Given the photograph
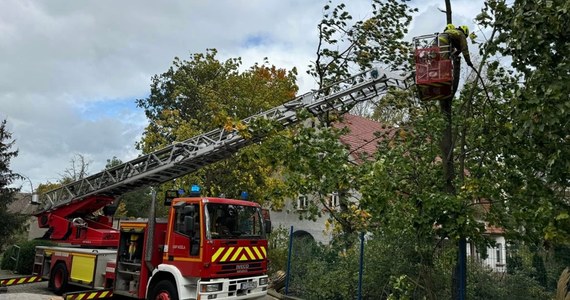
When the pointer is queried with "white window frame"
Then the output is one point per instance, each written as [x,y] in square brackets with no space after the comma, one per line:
[334,200]
[302,202]
[499,254]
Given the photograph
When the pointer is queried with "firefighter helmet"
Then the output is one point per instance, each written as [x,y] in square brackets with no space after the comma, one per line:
[465,29]
[449,27]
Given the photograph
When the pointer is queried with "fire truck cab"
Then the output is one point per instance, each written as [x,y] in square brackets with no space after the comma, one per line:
[217,245]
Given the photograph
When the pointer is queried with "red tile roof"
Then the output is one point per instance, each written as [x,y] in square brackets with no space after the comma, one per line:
[361,138]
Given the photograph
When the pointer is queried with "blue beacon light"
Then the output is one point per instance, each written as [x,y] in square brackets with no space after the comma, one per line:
[194,190]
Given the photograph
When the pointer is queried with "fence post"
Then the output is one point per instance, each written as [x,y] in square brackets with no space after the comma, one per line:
[462,268]
[361,266]
[288,275]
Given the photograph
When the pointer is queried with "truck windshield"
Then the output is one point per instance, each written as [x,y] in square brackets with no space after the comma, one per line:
[226,221]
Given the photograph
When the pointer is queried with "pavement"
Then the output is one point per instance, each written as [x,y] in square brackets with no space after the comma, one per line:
[40,291]
[30,291]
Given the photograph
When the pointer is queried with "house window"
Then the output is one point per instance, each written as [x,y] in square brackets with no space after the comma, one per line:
[302,202]
[498,253]
[334,200]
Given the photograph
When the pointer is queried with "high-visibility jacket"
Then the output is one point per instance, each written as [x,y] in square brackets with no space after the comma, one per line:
[458,41]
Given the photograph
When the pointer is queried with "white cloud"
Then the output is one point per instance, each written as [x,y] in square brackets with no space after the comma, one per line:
[62,60]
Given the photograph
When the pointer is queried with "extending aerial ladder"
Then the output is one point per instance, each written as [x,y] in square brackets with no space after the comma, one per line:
[66,209]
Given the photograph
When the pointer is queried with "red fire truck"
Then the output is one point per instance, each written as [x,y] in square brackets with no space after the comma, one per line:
[210,247]
[207,248]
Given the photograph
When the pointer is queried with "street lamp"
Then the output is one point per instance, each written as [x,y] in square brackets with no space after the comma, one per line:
[35,197]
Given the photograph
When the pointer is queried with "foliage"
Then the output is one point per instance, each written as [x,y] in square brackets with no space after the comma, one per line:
[531,128]
[541,265]
[26,256]
[204,93]
[9,222]
[345,44]
[278,248]
[393,270]
[500,181]
[7,262]
[46,187]
[486,284]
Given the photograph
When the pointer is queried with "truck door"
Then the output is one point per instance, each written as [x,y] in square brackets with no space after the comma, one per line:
[186,234]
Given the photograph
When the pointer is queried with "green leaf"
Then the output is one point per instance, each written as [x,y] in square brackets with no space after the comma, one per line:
[562,216]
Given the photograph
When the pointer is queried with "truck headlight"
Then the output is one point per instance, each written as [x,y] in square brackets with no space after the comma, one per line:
[263,281]
[212,287]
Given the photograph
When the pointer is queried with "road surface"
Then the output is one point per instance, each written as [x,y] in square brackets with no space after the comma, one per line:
[40,291]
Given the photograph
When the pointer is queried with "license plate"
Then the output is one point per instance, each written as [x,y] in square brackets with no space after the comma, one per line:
[249,285]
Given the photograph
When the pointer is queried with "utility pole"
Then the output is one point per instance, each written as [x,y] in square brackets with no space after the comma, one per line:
[460,275]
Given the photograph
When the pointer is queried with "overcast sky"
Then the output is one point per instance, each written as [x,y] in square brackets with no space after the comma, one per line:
[71,70]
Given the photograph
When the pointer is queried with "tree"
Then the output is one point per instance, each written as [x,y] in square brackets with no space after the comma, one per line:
[512,164]
[78,169]
[9,222]
[345,45]
[201,94]
[533,127]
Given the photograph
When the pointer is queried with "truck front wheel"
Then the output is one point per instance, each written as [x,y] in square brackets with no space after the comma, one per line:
[58,278]
[164,290]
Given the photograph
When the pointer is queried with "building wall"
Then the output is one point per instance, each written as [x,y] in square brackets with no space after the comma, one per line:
[496,255]
[288,216]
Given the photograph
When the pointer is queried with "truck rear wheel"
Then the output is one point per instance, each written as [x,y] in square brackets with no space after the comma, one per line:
[58,278]
[164,290]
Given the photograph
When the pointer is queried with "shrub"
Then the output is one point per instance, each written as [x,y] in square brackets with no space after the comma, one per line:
[25,261]
[7,262]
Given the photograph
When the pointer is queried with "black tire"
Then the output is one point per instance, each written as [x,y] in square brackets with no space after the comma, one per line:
[58,278]
[163,290]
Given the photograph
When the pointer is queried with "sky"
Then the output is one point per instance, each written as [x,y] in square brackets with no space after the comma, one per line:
[70,71]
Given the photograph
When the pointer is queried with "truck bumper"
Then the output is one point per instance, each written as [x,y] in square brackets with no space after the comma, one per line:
[239,288]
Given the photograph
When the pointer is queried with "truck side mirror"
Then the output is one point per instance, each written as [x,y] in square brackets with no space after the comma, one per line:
[268,228]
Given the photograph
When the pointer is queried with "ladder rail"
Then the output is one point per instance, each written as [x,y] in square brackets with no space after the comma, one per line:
[187,156]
